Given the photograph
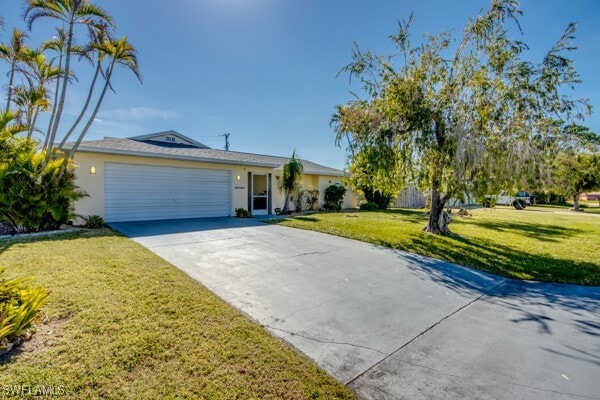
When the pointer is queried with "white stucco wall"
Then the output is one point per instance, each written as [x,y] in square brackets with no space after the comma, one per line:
[93,184]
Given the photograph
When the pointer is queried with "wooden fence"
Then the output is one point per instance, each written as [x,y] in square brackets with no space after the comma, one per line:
[410,197]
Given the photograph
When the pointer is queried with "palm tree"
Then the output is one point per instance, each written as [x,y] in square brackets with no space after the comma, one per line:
[70,13]
[58,44]
[98,37]
[292,173]
[31,101]
[13,54]
[40,73]
[118,52]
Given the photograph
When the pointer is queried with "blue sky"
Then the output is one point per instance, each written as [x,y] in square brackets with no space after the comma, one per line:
[265,70]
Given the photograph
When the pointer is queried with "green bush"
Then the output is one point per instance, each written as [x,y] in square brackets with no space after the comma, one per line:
[334,197]
[35,195]
[242,213]
[94,222]
[382,200]
[20,309]
[369,206]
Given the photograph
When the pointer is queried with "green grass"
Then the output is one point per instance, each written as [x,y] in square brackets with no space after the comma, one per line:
[591,207]
[538,243]
[124,324]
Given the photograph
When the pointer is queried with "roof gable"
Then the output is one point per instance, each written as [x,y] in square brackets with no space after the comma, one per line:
[169,139]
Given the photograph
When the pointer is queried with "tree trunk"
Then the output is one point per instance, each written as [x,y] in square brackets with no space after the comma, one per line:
[286,203]
[438,218]
[95,112]
[63,94]
[10,85]
[576,203]
[55,102]
[85,107]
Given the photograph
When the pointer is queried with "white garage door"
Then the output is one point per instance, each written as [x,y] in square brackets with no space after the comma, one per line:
[146,192]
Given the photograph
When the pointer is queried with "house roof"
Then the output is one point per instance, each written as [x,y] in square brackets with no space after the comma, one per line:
[183,140]
[144,146]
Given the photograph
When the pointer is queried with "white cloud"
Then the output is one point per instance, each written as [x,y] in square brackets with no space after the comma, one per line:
[139,113]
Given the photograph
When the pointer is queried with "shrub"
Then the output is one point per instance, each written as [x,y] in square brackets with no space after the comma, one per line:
[242,213]
[382,200]
[94,222]
[20,309]
[298,200]
[334,197]
[306,199]
[34,195]
[369,206]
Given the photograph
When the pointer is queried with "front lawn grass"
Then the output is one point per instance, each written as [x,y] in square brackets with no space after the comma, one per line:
[124,324]
[536,243]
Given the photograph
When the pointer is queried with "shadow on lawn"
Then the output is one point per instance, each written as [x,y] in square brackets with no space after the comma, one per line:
[504,260]
[547,233]
[19,240]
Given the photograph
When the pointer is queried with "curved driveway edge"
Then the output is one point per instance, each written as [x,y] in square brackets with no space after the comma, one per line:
[392,324]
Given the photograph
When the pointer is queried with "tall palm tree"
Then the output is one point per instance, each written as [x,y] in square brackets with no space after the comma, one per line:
[30,101]
[58,44]
[70,13]
[41,73]
[292,173]
[98,37]
[117,52]
[13,54]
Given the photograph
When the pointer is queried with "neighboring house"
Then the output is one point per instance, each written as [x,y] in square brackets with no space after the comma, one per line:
[589,196]
[167,175]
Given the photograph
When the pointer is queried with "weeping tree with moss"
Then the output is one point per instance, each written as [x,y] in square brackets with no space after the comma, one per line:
[292,173]
[465,114]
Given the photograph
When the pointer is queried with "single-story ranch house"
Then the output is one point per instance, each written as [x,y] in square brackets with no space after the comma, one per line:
[167,175]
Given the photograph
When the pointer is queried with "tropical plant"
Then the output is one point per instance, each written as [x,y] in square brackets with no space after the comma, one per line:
[334,197]
[69,13]
[299,200]
[13,53]
[98,36]
[20,309]
[464,116]
[242,213]
[94,222]
[118,52]
[312,198]
[292,173]
[34,195]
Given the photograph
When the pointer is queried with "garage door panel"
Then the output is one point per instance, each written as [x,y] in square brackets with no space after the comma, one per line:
[144,192]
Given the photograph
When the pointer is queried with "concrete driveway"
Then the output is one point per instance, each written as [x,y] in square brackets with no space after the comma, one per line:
[389,324]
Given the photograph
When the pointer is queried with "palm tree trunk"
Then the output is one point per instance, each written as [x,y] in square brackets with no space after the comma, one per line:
[93,116]
[85,107]
[10,85]
[55,102]
[33,122]
[286,203]
[63,94]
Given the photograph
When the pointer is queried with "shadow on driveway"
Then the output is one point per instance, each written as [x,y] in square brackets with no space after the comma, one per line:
[137,229]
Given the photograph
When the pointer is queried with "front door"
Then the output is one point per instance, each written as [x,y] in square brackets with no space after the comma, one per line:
[260,194]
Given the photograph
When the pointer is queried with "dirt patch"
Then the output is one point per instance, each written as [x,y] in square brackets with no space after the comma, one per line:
[48,334]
